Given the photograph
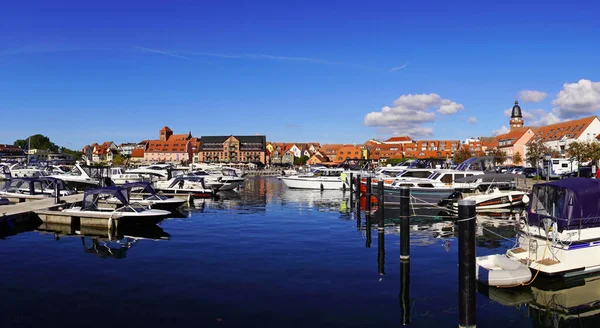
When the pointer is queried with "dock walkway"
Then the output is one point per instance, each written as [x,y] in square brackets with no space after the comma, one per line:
[24,208]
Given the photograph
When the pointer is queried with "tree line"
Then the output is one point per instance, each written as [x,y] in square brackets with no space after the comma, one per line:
[39,141]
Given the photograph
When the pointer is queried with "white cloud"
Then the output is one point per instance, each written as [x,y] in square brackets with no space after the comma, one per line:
[472,120]
[576,99]
[536,117]
[531,96]
[397,68]
[500,131]
[409,113]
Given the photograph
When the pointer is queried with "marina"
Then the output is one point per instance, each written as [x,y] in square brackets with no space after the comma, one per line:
[268,255]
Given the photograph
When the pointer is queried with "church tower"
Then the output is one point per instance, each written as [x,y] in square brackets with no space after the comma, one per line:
[516,118]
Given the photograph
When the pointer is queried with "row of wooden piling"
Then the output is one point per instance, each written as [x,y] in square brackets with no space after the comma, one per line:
[466,246]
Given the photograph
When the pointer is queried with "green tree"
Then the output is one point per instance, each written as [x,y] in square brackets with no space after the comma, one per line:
[119,160]
[594,152]
[301,160]
[37,141]
[462,154]
[75,153]
[517,158]
[578,151]
[536,151]
[499,156]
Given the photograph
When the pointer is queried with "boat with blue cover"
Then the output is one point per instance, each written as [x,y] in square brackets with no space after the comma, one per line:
[560,234]
[133,212]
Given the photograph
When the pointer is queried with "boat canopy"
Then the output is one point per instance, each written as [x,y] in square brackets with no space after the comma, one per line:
[480,163]
[91,196]
[572,203]
[139,186]
[35,185]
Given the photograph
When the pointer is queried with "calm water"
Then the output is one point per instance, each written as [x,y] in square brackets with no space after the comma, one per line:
[266,257]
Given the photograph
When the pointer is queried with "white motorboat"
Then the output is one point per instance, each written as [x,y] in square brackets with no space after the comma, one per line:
[119,176]
[560,235]
[18,170]
[228,177]
[34,188]
[125,211]
[85,174]
[322,178]
[157,172]
[144,194]
[186,184]
[430,191]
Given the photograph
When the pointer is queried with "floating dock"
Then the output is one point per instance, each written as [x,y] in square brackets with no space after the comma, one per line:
[9,211]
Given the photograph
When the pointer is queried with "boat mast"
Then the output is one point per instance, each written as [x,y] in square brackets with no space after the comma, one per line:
[28,148]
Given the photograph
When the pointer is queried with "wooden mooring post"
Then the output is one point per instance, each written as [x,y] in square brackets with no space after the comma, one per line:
[351,184]
[466,263]
[358,201]
[380,206]
[404,223]
[368,195]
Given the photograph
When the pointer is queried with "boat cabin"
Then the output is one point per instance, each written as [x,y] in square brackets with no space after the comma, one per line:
[570,203]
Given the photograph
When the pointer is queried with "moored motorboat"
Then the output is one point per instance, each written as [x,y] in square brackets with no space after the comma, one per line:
[187,185]
[560,235]
[33,188]
[119,176]
[499,270]
[322,178]
[129,212]
[144,194]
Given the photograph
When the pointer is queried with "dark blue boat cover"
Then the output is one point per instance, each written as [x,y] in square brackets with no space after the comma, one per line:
[572,203]
[140,187]
[90,196]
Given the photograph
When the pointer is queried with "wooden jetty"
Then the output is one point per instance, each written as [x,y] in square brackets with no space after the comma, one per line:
[8,211]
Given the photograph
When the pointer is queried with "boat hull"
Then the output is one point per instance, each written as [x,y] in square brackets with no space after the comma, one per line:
[418,196]
[566,259]
[296,182]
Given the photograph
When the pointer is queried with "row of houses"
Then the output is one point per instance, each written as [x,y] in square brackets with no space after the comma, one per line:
[184,148]
[556,137]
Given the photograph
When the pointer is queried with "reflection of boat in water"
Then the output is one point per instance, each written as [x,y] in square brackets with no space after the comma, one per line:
[554,303]
[103,242]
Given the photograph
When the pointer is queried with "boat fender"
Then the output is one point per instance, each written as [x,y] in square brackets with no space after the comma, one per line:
[525,199]
[110,223]
[322,188]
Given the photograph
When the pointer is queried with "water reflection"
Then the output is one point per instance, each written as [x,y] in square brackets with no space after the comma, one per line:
[105,243]
[554,303]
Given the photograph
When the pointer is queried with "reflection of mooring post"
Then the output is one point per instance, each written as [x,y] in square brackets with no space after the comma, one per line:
[466,263]
[368,194]
[368,228]
[380,252]
[405,291]
[351,184]
[358,201]
[404,223]
[380,208]
[358,187]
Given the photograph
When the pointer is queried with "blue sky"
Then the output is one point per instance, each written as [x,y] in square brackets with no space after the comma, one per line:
[82,72]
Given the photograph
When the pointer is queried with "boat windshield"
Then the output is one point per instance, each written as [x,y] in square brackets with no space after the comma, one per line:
[133,207]
[328,173]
